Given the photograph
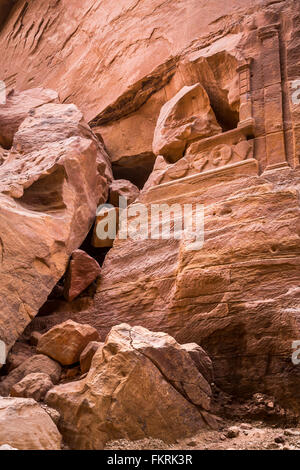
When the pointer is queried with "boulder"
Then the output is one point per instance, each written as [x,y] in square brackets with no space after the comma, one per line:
[140,384]
[18,355]
[124,189]
[201,359]
[24,425]
[186,117]
[66,341]
[34,365]
[18,106]
[32,386]
[82,271]
[87,355]
[50,186]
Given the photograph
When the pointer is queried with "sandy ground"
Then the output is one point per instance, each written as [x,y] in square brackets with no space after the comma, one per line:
[232,436]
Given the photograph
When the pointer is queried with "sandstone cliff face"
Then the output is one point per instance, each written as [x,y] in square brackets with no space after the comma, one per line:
[124,65]
[238,295]
[121,62]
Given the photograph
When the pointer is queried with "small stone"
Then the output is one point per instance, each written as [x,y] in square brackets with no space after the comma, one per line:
[272,446]
[232,432]
[246,426]
[279,439]
[192,444]
[291,432]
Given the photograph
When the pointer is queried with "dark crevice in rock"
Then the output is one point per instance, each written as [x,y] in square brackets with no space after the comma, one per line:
[134,168]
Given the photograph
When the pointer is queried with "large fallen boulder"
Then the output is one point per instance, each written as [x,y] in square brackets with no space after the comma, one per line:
[51,182]
[141,384]
[34,365]
[32,386]
[24,425]
[66,341]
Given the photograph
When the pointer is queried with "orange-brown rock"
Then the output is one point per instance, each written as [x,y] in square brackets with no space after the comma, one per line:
[140,384]
[236,296]
[65,342]
[18,106]
[186,117]
[201,359]
[34,365]
[82,271]
[124,189]
[50,185]
[32,386]
[87,355]
[77,54]
[24,425]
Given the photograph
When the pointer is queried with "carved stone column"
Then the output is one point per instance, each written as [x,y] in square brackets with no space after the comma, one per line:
[275,140]
[246,115]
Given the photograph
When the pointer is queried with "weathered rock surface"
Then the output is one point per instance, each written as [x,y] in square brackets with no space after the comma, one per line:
[78,50]
[186,117]
[65,342]
[17,108]
[82,271]
[34,365]
[24,425]
[236,295]
[50,185]
[201,359]
[140,384]
[32,386]
[122,188]
[87,355]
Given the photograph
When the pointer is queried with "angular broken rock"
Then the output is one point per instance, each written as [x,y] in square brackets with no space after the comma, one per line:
[24,425]
[87,355]
[32,386]
[50,186]
[141,384]
[122,188]
[187,116]
[35,364]
[66,341]
[17,107]
[201,359]
[82,271]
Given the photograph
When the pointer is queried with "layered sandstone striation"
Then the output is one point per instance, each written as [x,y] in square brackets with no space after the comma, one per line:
[192,103]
